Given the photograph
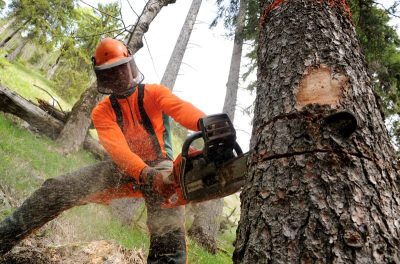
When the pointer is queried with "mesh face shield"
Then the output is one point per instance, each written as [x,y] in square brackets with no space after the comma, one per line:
[118,77]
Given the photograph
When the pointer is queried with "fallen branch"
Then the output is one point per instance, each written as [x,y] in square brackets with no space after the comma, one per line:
[52,97]
[51,110]
[11,102]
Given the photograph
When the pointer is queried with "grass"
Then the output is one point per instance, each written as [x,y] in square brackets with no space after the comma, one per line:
[27,159]
[24,81]
[99,224]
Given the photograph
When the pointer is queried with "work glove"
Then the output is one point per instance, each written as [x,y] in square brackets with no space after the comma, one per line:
[155,181]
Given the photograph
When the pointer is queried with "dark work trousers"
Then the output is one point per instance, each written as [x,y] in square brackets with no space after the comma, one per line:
[166,226]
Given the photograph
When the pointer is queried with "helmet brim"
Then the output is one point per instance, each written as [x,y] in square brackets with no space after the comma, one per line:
[113,63]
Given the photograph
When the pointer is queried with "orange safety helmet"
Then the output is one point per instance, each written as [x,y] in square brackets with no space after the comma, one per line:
[109,54]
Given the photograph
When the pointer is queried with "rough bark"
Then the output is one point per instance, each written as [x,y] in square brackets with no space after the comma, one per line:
[84,106]
[74,132]
[12,103]
[175,61]
[14,54]
[312,195]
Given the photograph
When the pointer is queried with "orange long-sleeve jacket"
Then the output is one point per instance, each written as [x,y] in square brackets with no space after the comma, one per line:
[131,147]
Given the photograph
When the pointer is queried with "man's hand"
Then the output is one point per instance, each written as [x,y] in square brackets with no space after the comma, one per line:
[157,181]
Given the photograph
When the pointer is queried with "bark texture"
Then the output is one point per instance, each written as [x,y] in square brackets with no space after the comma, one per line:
[175,61]
[74,132]
[314,195]
[55,196]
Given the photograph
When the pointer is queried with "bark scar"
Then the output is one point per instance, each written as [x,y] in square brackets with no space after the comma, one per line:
[321,86]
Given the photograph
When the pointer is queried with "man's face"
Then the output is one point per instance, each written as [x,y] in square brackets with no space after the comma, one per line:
[117,79]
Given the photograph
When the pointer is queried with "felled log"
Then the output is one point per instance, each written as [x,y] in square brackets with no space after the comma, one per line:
[11,102]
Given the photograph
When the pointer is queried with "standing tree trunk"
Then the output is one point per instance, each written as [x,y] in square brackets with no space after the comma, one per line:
[175,61]
[9,22]
[234,70]
[81,121]
[314,193]
[82,108]
[9,37]
[14,54]
[54,67]
[207,215]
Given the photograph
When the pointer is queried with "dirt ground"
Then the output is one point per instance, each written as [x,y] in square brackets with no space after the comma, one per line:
[32,251]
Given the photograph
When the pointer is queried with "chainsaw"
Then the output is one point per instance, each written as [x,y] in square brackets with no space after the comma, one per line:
[216,171]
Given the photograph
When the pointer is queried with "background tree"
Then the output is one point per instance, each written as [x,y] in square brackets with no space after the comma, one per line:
[380,44]
[207,215]
[175,61]
[75,71]
[44,20]
[316,193]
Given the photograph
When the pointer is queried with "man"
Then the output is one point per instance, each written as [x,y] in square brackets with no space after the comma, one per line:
[142,139]
[132,124]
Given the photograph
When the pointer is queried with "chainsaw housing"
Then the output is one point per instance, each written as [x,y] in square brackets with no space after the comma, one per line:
[218,170]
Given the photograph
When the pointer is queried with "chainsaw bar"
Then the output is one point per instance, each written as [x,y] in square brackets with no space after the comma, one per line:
[205,181]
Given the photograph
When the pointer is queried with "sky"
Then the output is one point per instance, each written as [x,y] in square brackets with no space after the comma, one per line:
[204,72]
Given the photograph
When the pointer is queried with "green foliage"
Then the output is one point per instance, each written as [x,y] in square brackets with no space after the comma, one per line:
[45,20]
[35,58]
[23,79]
[380,43]
[70,82]
[75,73]
[227,10]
